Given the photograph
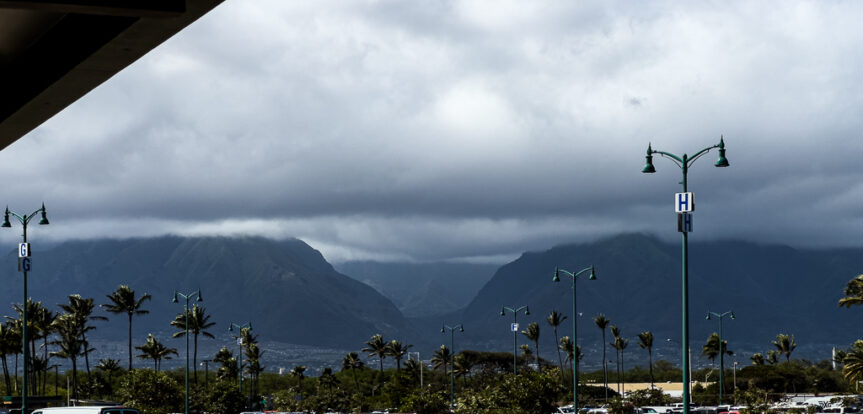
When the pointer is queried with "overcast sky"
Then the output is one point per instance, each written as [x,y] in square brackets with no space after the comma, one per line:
[464,130]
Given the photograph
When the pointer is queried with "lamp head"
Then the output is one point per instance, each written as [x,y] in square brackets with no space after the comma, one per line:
[556,278]
[6,219]
[502,313]
[461,328]
[648,165]
[708,316]
[442,329]
[722,161]
[175,297]
[592,273]
[526,310]
[231,328]
[732,315]
[44,219]
[200,299]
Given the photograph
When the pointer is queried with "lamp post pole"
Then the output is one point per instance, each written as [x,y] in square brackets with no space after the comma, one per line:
[514,329]
[574,276]
[206,364]
[684,162]
[187,322]
[722,350]
[24,266]
[240,329]
[452,330]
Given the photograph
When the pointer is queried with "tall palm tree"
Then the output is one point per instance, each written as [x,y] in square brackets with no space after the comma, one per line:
[853,362]
[853,293]
[532,334]
[227,363]
[82,309]
[615,343]
[199,321]
[554,319]
[34,330]
[565,345]
[785,345]
[711,348]
[10,344]
[123,301]
[397,350]
[602,322]
[352,361]
[645,341]
[253,366]
[155,350]
[772,357]
[377,346]
[70,344]
[441,357]
[109,367]
[622,343]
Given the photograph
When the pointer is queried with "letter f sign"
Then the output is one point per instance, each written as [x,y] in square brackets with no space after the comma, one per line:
[684,203]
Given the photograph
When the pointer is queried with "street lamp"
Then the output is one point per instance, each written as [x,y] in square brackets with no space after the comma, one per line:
[684,162]
[186,322]
[721,351]
[556,278]
[735,382]
[240,329]
[452,330]
[24,266]
[514,328]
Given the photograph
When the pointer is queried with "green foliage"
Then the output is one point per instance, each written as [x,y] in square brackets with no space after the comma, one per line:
[425,402]
[151,392]
[641,398]
[619,406]
[529,392]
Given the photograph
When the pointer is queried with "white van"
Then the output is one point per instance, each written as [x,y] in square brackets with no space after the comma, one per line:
[116,409]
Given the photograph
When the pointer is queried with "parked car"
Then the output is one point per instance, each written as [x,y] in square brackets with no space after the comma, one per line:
[87,410]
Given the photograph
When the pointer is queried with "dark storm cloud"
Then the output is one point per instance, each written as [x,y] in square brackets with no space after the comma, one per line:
[463,130]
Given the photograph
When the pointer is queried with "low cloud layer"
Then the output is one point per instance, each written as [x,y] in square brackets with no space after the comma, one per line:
[463,130]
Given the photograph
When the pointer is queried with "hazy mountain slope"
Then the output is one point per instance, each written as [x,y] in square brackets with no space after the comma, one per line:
[285,288]
[422,289]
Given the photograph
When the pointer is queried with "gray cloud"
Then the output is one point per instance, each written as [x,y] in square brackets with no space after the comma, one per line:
[463,130]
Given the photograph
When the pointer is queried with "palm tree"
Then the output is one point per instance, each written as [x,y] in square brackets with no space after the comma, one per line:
[82,309]
[199,321]
[772,357]
[532,334]
[785,344]
[645,341]
[554,319]
[615,343]
[377,346]
[254,367]
[109,367]
[155,350]
[711,348]
[566,346]
[34,331]
[123,301]
[853,293]
[853,362]
[227,362]
[602,322]
[398,351]
[622,343]
[352,361]
[757,359]
[441,357]
[10,344]
[70,344]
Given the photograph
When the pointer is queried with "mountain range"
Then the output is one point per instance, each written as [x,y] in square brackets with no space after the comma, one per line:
[292,295]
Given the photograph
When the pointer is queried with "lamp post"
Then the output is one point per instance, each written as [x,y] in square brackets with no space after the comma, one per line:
[24,267]
[721,350]
[240,354]
[684,162]
[514,329]
[688,356]
[206,364]
[735,382]
[574,276]
[186,322]
[452,330]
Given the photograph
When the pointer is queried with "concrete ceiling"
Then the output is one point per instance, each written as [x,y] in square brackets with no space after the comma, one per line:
[54,52]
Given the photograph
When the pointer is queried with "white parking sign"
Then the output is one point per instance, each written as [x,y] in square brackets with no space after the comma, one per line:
[23,249]
[514,327]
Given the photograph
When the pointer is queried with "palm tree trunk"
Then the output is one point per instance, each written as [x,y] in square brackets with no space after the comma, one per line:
[130,342]
[356,384]
[604,365]
[6,376]
[557,345]
[86,353]
[622,373]
[195,358]
[74,377]
[650,359]
[536,346]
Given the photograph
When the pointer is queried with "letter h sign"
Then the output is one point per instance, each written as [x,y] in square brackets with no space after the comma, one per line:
[684,202]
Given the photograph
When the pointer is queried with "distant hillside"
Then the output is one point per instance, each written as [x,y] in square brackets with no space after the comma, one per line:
[770,288]
[285,288]
[422,289]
